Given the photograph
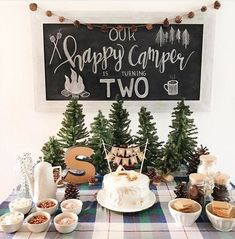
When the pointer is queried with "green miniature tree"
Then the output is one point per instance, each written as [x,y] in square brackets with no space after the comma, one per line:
[148,131]
[53,153]
[170,161]
[184,132]
[119,125]
[181,143]
[73,131]
[99,131]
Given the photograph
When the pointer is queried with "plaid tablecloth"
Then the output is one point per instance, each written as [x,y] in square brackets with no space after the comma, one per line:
[96,222]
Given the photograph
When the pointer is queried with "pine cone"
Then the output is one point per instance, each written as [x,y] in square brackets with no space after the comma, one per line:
[221,193]
[134,28]
[33,6]
[61,19]
[195,160]
[191,14]
[71,191]
[151,173]
[217,4]
[120,28]
[149,27]
[178,19]
[157,179]
[76,23]
[166,23]
[49,13]
[181,190]
[104,28]
[204,8]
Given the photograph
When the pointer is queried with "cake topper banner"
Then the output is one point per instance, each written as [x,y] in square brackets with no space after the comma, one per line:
[125,156]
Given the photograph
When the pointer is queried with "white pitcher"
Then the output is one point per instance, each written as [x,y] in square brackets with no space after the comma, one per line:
[42,183]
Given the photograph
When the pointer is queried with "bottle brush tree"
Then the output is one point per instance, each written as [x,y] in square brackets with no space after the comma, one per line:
[148,131]
[53,152]
[119,125]
[170,161]
[73,131]
[184,132]
[99,131]
[181,143]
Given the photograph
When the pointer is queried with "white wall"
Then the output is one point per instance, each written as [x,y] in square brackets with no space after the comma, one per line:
[23,129]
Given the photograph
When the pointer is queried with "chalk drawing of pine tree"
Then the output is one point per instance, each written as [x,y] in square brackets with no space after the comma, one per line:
[185,38]
[178,35]
[166,36]
[160,37]
[172,35]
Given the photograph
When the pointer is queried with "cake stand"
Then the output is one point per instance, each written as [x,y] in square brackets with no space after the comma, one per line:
[147,204]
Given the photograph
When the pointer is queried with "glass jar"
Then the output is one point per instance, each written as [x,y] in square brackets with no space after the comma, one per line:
[196,188]
[207,167]
[222,188]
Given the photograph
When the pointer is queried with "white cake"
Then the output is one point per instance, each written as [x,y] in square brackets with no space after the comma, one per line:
[126,189]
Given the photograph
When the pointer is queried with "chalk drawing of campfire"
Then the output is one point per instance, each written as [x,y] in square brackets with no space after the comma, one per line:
[74,86]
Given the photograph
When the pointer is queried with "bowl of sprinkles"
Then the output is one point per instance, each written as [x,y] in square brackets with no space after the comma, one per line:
[66,222]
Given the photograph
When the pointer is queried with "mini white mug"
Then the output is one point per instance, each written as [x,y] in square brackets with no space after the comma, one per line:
[171,87]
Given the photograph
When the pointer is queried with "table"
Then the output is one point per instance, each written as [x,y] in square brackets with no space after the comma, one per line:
[96,222]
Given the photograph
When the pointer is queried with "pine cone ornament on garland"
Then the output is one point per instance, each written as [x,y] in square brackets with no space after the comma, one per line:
[195,160]
[181,190]
[217,5]
[71,191]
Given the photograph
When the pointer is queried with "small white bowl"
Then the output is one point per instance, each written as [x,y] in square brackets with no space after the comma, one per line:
[220,223]
[50,210]
[182,218]
[13,227]
[65,228]
[13,207]
[77,206]
[38,227]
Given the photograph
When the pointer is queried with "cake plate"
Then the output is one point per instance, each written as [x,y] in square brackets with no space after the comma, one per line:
[147,204]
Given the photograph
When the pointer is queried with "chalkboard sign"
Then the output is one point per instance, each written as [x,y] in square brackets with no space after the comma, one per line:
[161,64]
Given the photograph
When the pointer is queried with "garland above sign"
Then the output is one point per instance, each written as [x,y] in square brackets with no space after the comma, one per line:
[134,27]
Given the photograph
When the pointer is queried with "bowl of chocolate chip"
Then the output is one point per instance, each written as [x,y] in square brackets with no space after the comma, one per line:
[221,215]
[47,205]
[38,221]
[185,211]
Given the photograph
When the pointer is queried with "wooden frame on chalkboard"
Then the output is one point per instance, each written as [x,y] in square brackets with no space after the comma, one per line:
[203,104]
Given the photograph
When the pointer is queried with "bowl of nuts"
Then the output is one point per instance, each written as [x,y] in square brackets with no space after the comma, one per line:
[47,205]
[38,221]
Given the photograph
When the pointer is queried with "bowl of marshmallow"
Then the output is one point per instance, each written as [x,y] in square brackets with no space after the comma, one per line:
[22,205]
[11,222]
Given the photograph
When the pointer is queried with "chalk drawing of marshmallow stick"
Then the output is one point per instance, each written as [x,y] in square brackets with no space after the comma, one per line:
[75,87]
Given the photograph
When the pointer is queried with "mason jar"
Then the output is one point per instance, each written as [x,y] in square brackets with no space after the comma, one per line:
[222,188]
[197,188]
[207,167]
